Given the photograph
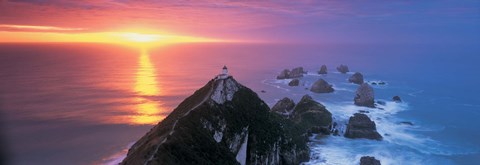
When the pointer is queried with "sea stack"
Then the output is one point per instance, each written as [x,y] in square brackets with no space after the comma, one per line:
[356,78]
[223,122]
[397,99]
[294,73]
[343,69]
[364,96]
[323,70]
[369,160]
[360,126]
[321,86]
[294,82]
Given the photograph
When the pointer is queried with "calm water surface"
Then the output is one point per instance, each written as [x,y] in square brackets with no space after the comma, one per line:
[84,104]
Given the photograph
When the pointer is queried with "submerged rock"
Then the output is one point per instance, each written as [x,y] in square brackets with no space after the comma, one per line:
[312,115]
[406,123]
[364,96]
[323,70]
[360,126]
[294,73]
[294,82]
[381,102]
[397,99]
[356,78]
[343,69]
[369,160]
[284,106]
[321,86]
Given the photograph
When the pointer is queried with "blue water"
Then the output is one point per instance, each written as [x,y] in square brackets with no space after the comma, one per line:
[61,103]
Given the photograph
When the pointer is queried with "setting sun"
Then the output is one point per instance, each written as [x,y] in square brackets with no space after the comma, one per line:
[138,37]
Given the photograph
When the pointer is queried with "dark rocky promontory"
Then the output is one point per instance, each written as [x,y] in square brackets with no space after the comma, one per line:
[360,126]
[284,106]
[294,82]
[364,96]
[323,70]
[223,122]
[343,69]
[369,160]
[356,78]
[294,73]
[321,86]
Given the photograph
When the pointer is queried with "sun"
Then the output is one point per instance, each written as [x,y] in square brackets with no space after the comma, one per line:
[139,37]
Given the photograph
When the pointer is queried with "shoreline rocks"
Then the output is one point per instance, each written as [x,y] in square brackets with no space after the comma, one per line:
[294,73]
[364,96]
[343,69]
[356,78]
[284,107]
[312,115]
[321,86]
[369,160]
[294,82]
[323,70]
[360,126]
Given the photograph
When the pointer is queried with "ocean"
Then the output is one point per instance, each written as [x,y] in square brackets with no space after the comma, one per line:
[86,103]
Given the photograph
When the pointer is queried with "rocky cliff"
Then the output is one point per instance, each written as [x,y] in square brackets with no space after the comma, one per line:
[223,122]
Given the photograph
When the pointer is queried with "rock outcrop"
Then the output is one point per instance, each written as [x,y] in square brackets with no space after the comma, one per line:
[369,160]
[323,70]
[397,99]
[360,126]
[356,78]
[294,73]
[321,86]
[294,82]
[364,96]
[285,74]
[312,116]
[343,69]
[223,122]
[284,107]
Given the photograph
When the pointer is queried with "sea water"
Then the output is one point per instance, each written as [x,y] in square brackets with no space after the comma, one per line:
[85,104]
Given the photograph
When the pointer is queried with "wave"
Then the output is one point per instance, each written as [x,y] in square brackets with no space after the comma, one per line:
[118,157]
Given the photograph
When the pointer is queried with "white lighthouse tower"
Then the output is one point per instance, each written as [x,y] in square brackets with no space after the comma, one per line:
[224,73]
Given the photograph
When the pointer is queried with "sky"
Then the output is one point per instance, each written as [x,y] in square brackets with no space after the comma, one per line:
[302,21]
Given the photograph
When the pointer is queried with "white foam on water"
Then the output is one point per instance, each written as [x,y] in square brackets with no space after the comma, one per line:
[118,157]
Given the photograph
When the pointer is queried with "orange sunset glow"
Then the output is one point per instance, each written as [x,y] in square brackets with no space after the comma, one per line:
[132,37]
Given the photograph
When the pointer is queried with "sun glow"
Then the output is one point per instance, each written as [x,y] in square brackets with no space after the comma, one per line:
[131,37]
[138,37]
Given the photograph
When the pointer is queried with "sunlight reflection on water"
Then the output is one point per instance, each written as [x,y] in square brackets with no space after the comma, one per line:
[147,110]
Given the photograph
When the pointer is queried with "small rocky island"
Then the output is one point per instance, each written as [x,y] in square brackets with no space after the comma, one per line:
[294,82]
[294,73]
[368,160]
[364,96]
[343,69]
[356,78]
[321,86]
[323,70]
[360,126]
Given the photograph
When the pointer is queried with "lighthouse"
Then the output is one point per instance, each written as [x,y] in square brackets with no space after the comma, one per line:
[224,73]
[225,70]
